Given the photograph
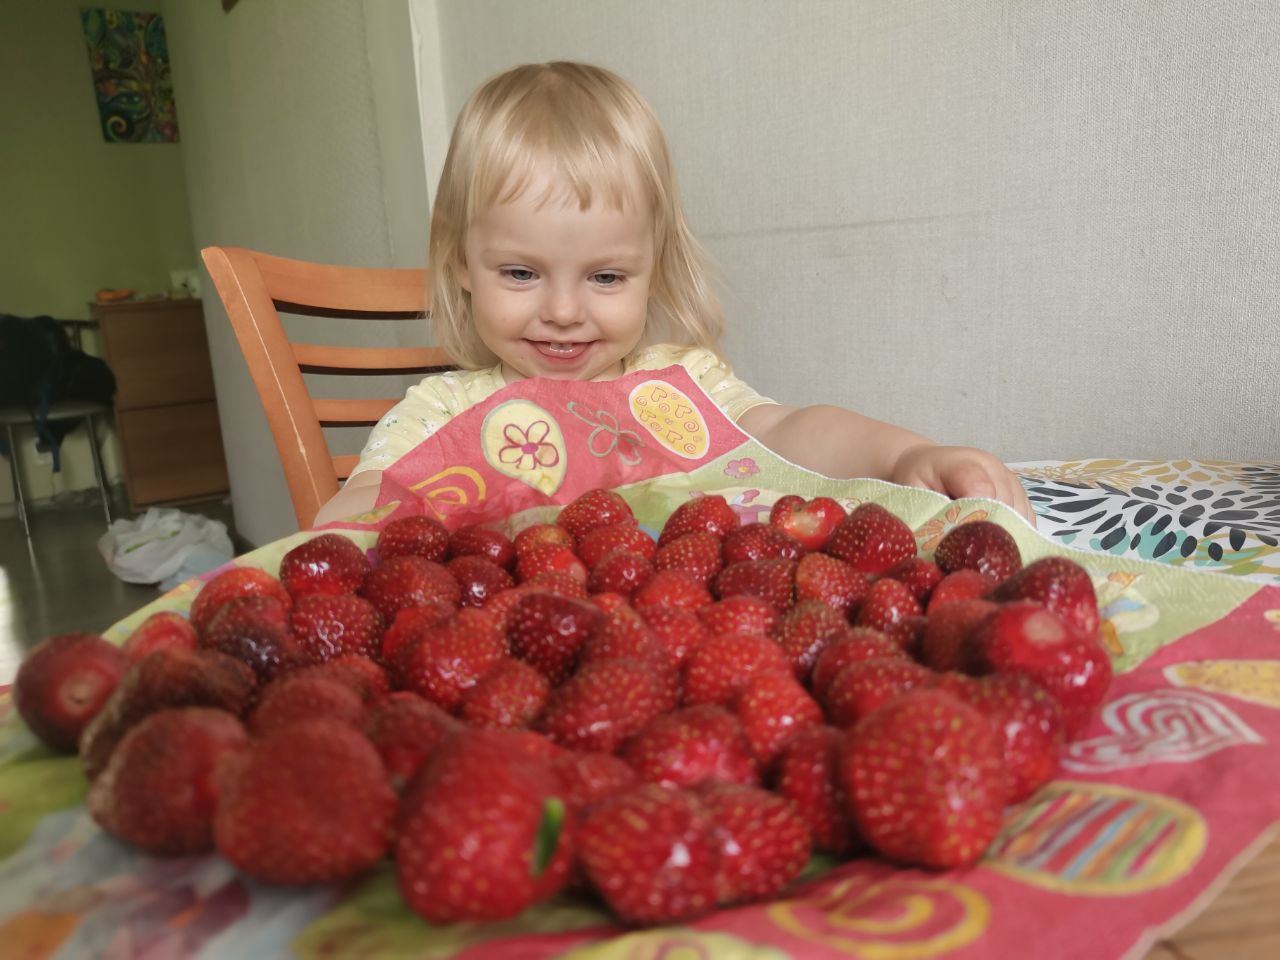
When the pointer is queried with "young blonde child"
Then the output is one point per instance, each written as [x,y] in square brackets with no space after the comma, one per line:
[560,249]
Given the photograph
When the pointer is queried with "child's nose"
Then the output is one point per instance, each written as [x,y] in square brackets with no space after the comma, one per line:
[562,307]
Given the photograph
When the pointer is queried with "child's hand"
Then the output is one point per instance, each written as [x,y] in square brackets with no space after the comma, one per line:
[961,472]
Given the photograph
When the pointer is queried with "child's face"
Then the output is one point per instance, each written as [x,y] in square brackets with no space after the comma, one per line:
[557,291]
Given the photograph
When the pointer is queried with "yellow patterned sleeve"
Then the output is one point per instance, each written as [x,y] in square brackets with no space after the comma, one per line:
[713,374]
[426,407]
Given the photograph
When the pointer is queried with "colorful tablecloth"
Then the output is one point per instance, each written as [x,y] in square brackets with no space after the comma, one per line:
[1175,782]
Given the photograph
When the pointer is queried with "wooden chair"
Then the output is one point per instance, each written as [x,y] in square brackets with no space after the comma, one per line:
[254,288]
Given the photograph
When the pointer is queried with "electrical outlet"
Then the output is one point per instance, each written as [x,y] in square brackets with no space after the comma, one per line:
[41,458]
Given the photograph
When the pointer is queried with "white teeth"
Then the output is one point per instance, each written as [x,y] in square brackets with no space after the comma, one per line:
[561,347]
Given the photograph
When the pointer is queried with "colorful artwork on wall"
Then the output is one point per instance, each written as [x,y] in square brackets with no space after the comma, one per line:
[130,60]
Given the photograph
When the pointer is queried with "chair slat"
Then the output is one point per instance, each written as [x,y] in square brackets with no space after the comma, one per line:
[358,290]
[343,466]
[353,411]
[368,359]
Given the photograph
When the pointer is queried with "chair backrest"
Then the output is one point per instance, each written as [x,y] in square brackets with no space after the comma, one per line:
[254,288]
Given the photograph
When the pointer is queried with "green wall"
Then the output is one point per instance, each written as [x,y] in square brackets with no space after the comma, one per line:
[78,213]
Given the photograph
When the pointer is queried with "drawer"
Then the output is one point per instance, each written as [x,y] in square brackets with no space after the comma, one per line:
[173,452]
[157,356]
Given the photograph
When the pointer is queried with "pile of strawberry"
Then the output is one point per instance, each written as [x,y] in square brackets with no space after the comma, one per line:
[669,726]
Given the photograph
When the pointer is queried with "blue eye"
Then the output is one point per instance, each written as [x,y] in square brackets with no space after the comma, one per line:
[609,279]
[518,274]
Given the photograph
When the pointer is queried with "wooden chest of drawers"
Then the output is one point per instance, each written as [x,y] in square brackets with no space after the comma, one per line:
[166,417]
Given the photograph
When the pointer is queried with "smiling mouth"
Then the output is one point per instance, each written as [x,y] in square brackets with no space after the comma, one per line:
[560,351]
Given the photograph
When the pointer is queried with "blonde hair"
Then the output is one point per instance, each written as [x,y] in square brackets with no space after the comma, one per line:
[601,137]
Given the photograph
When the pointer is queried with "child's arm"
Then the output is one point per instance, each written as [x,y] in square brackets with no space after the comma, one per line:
[358,495]
[840,443]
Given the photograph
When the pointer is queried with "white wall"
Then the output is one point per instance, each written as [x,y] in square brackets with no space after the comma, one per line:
[301,138]
[1043,228]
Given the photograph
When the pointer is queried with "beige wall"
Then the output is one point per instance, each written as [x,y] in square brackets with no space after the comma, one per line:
[77,213]
[1044,228]
[301,138]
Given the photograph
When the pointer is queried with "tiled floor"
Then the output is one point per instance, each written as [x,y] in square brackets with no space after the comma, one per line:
[58,582]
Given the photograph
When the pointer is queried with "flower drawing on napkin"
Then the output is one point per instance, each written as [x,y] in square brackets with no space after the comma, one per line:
[606,436]
[528,442]
[741,468]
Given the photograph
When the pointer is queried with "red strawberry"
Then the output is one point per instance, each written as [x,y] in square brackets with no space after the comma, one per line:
[907,633]
[62,684]
[480,579]
[549,558]
[763,842]
[501,606]
[809,522]
[608,602]
[859,644]
[887,602]
[861,688]
[945,643]
[1060,584]
[601,705]
[541,535]
[603,541]
[625,636]
[1024,637]
[331,626]
[771,580]
[587,779]
[511,694]
[255,629]
[593,510]
[961,585]
[925,780]
[406,729]
[710,514]
[759,541]
[295,698]
[548,631]
[160,788]
[620,572]
[1026,718]
[718,668]
[919,574]
[327,563]
[672,588]
[408,622]
[740,614]
[830,581]
[979,545]
[698,554]
[677,630]
[650,855]
[362,674]
[457,860]
[423,537]
[688,746]
[443,661]
[309,803]
[805,775]
[563,584]
[772,707]
[230,584]
[479,541]
[163,629]
[808,629]
[871,539]
[166,678]
[409,581]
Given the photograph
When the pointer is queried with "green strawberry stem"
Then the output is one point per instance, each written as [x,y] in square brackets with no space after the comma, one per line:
[548,834]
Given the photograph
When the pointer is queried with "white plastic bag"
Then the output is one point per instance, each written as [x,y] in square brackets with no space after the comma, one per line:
[163,543]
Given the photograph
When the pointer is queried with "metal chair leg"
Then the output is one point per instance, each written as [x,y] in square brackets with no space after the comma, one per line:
[17,480]
[97,466]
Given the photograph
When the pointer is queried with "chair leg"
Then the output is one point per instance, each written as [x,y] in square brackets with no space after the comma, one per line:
[17,480]
[97,466]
